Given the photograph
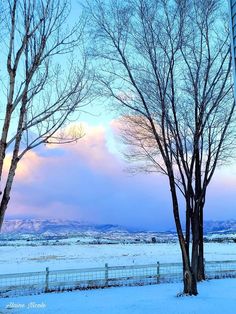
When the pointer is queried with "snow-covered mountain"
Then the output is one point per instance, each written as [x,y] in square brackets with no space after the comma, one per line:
[224,226]
[54,226]
[60,227]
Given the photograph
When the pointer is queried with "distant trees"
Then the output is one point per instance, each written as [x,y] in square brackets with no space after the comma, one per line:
[39,90]
[166,66]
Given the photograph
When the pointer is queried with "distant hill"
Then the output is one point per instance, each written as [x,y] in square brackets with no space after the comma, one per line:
[224,226]
[60,227]
[54,226]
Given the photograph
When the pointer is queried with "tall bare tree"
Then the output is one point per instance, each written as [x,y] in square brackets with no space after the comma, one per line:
[41,86]
[166,65]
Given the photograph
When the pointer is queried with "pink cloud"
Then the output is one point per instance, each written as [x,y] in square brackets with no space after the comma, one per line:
[46,169]
[86,181]
[93,149]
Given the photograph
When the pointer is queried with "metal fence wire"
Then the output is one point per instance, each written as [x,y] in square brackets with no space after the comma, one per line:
[101,277]
[220,269]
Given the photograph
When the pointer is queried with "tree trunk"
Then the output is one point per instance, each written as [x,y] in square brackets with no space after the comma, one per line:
[188,226]
[201,264]
[7,191]
[195,241]
[189,280]
[197,221]
[190,283]
[3,207]
[14,162]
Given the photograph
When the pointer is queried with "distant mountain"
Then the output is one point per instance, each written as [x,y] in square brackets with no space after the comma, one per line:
[224,226]
[62,227]
[54,226]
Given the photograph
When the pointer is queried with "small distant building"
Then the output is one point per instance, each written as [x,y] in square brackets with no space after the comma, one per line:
[154,240]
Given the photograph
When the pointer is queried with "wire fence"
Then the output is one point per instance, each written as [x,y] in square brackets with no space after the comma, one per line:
[102,277]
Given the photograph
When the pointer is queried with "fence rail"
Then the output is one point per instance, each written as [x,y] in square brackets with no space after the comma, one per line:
[101,277]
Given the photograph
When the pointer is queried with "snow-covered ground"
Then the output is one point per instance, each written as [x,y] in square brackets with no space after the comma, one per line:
[35,258]
[215,297]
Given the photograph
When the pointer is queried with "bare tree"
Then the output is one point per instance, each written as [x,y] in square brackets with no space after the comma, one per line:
[40,87]
[166,65]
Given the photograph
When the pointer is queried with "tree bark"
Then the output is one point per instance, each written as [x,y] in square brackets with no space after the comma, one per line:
[7,191]
[201,265]
[14,161]
[190,283]
[188,216]
[195,243]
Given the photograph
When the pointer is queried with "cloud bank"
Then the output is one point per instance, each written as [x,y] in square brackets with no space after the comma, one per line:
[86,181]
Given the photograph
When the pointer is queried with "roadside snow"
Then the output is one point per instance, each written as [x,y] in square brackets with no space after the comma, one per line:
[215,297]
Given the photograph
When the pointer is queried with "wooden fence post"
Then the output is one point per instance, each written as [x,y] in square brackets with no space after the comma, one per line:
[106,275]
[158,272]
[46,279]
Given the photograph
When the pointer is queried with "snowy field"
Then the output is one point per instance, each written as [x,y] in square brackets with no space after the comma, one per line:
[215,297]
[35,258]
